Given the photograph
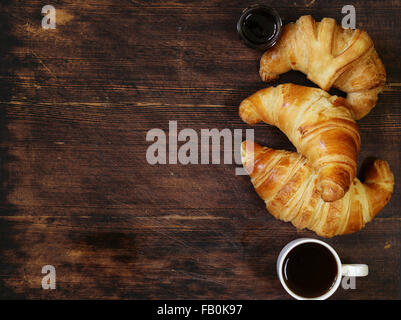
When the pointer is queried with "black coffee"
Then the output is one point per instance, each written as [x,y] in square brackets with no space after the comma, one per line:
[310,270]
[259,26]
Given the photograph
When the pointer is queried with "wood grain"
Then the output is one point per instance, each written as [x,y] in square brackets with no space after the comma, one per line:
[76,189]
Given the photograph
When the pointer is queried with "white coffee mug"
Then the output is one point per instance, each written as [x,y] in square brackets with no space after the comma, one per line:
[348,270]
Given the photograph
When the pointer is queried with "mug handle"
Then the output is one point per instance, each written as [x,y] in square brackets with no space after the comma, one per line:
[354,270]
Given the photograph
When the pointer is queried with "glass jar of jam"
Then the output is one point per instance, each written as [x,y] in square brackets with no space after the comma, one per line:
[259,26]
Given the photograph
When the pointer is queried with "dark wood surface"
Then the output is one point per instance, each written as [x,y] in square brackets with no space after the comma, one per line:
[76,189]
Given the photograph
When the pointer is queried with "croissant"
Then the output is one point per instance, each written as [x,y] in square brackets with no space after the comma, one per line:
[330,56]
[319,126]
[288,184]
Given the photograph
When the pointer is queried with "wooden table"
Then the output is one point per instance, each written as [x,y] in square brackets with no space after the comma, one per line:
[78,193]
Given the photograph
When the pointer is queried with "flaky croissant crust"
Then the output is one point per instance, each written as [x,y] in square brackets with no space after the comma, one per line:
[330,56]
[288,185]
[320,126]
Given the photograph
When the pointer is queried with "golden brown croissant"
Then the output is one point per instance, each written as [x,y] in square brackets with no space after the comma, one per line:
[288,185]
[319,126]
[330,56]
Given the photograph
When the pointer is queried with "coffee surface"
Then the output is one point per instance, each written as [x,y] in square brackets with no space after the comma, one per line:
[310,270]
